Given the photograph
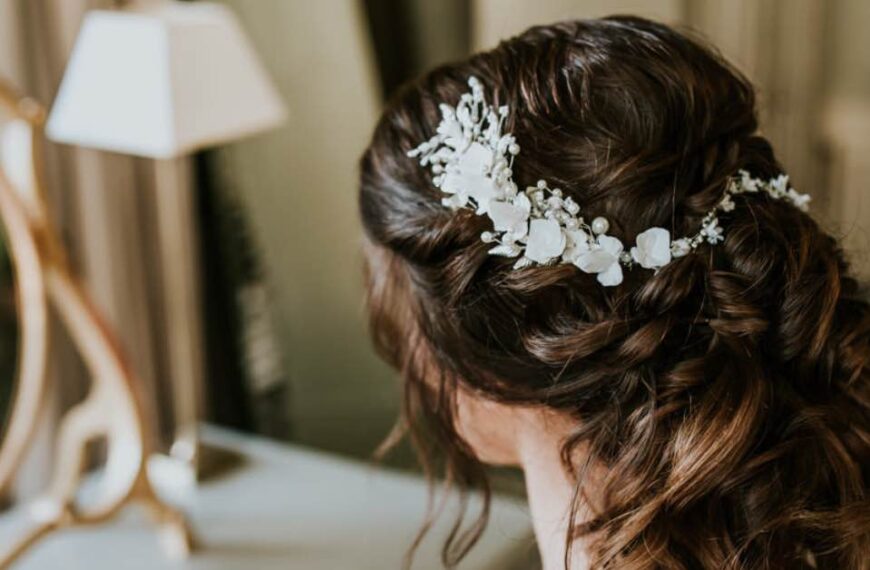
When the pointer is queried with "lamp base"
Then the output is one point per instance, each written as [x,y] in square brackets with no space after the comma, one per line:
[176,476]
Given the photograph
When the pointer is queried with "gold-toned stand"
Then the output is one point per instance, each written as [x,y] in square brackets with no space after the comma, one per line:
[111,411]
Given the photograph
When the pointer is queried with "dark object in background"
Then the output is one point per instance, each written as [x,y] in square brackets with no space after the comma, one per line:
[389,22]
[411,36]
[246,387]
[8,334]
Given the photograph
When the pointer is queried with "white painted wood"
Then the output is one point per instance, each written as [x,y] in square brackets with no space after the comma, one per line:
[17,156]
[111,410]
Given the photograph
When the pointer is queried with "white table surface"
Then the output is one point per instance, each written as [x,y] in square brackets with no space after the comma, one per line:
[291,508]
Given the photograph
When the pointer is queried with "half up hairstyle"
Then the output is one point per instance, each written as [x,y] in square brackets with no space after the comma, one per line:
[726,394]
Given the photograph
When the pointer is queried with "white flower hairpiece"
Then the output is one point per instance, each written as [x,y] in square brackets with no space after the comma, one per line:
[471,160]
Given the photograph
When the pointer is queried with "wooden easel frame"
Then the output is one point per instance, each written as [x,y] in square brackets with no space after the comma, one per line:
[112,410]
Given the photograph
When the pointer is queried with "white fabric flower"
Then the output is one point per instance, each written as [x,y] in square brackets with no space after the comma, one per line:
[801,201]
[727,204]
[577,242]
[653,249]
[603,259]
[681,248]
[712,231]
[779,186]
[469,179]
[450,128]
[511,217]
[451,183]
[546,241]
[748,183]
[476,159]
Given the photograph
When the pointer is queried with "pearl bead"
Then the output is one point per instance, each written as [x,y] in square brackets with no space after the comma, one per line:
[600,225]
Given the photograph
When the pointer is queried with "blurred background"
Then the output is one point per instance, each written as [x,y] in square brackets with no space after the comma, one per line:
[252,297]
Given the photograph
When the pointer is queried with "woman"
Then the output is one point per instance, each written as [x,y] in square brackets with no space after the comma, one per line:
[586,261]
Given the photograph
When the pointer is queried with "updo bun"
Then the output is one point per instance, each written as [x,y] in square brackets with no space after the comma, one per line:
[727,393]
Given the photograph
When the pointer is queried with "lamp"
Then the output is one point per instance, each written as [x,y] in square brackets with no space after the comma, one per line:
[160,79]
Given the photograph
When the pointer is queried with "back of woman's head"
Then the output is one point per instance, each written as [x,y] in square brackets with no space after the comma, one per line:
[726,394]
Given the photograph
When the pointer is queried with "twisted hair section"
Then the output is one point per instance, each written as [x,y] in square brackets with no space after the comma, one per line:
[726,394]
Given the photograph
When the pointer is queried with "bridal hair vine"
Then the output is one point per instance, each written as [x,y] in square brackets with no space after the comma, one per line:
[471,161]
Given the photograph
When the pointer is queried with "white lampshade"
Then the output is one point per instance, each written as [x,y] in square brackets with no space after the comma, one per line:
[161,79]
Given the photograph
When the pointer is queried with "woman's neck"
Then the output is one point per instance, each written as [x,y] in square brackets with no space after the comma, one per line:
[550,494]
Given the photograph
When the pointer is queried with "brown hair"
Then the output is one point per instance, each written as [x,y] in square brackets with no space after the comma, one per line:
[727,394]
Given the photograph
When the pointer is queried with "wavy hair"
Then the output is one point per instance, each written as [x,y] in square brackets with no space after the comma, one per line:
[726,394]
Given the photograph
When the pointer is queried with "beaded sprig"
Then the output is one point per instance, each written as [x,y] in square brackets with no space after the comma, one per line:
[471,161]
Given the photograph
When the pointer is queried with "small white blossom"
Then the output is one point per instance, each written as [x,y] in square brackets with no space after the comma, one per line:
[450,129]
[577,242]
[603,259]
[511,217]
[469,179]
[506,250]
[523,262]
[727,204]
[571,206]
[713,231]
[801,201]
[748,183]
[477,186]
[681,247]
[778,186]
[545,242]
[653,249]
